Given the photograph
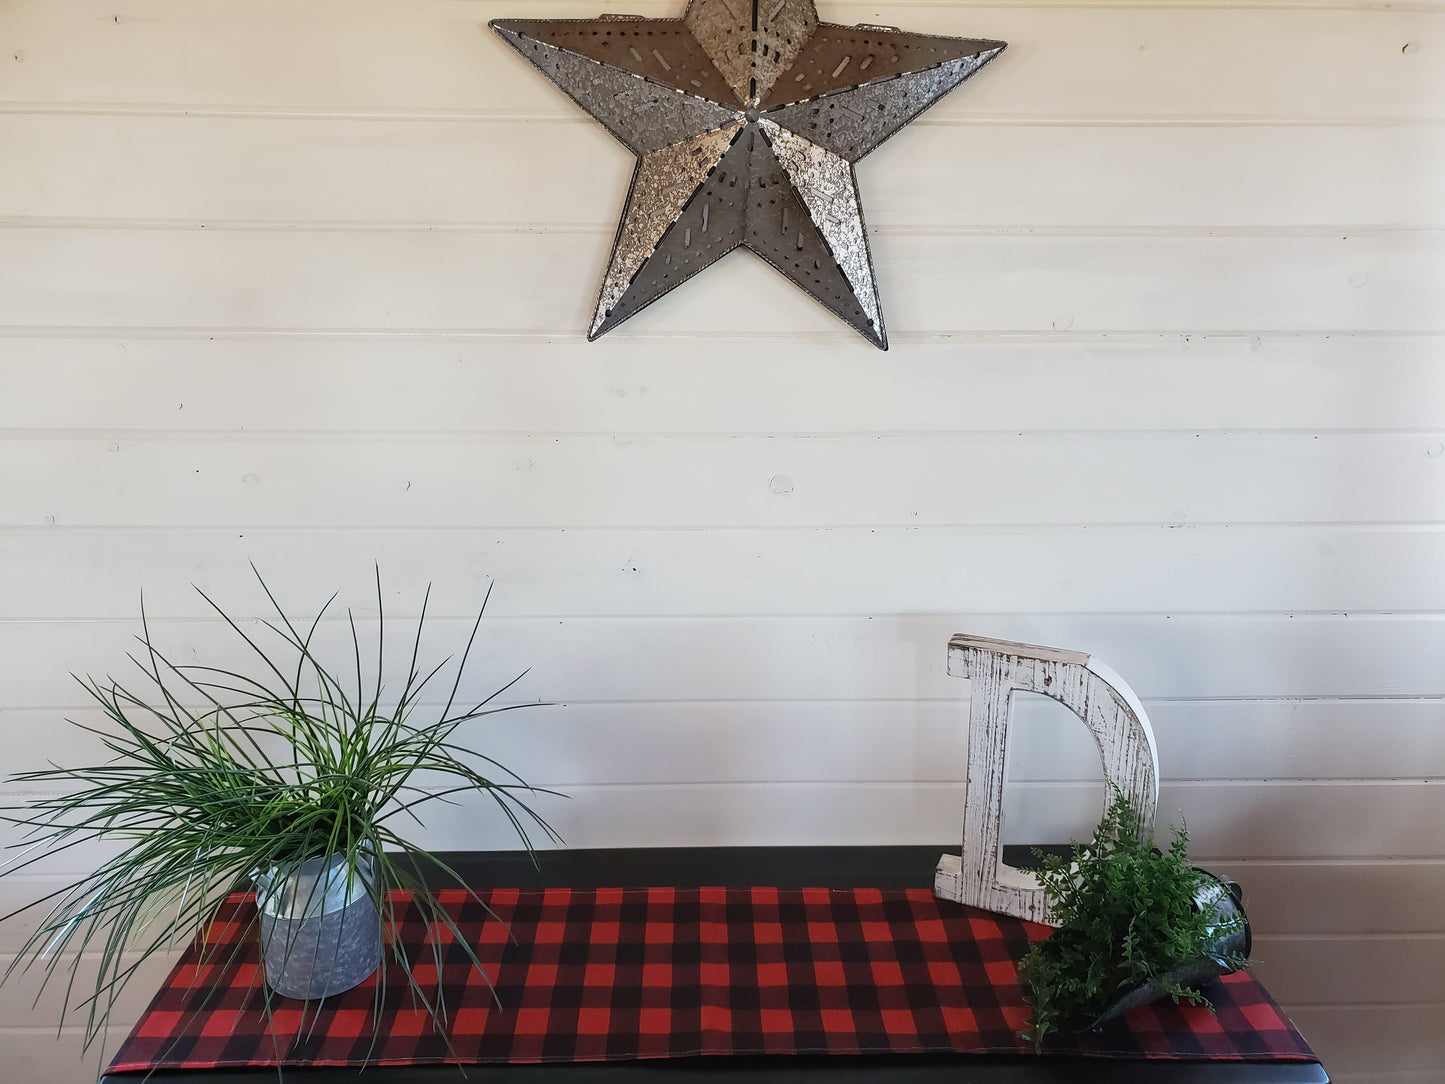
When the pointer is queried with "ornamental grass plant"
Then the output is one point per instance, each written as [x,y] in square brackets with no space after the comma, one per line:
[1127,916]
[217,776]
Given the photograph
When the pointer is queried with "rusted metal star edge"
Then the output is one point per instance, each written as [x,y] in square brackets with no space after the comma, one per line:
[747,117]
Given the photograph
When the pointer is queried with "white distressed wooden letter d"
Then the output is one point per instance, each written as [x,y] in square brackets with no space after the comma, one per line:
[1088,688]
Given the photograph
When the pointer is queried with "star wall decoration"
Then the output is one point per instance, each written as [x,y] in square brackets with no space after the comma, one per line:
[747,117]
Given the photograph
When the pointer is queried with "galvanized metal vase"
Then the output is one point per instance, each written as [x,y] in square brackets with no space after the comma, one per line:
[1223,900]
[320,933]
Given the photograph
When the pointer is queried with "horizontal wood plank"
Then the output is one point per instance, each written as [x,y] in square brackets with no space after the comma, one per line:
[1341,898]
[50,573]
[889,741]
[197,170]
[1331,970]
[885,656]
[515,481]
[39,1054]
[437,56]
[1249,820]
[1376,1044]
[522,282]
[27,998]
[368,384]
[1226,820]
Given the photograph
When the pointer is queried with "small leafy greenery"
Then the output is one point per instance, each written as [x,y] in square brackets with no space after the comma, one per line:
[217,775]
[1126,916]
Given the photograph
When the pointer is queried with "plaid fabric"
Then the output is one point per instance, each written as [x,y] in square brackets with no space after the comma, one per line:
[615,974]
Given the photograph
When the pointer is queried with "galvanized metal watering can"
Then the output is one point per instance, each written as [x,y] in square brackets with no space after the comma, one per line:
[1223,900]
[320,931]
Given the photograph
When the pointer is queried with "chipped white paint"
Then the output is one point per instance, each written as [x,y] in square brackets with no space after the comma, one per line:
[996,669]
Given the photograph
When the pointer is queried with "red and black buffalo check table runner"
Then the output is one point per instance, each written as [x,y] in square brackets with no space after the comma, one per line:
[620,974]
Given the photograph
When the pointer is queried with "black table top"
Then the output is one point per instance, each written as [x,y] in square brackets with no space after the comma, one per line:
[795,867]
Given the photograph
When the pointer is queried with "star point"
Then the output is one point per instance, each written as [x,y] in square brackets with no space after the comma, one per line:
[746,117]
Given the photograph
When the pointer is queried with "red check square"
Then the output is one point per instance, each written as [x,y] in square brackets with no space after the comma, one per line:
[158,1023]
[593,1021]
[899,1022]
[767,933]
[887,973]
[715,974]
[600,975]
[773,974]
[542,976]
[959,1020]
[549,933]
[1001,972]
[777,1021]
[931,930]
[1264,1017]
[531,1021]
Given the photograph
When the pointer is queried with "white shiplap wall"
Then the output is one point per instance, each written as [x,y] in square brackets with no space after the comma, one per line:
[304,283]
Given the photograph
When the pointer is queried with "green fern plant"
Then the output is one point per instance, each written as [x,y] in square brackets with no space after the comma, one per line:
[215,775]
[1126,916]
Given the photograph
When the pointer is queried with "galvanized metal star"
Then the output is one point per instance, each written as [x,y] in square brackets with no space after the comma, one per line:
[746,117]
